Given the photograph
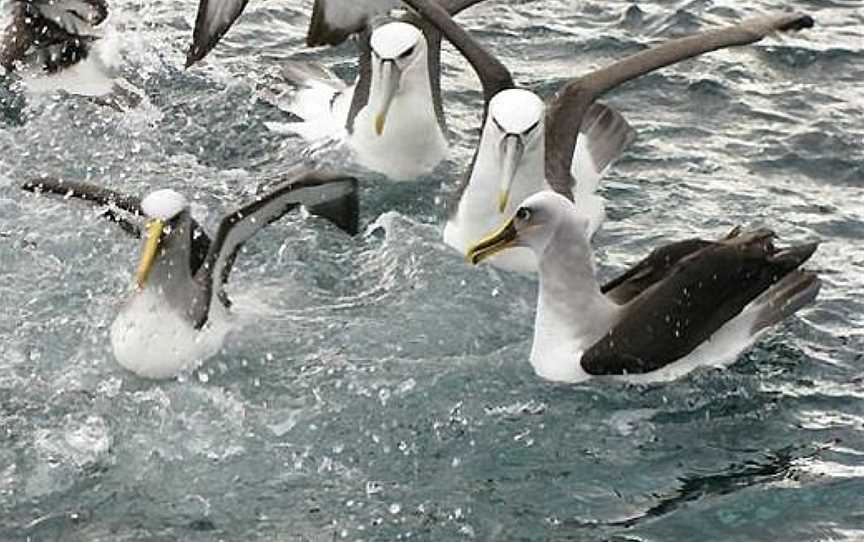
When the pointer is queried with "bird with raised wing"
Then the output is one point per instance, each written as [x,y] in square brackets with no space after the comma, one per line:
[565,143]
[177,315]
[392,117]
[689,304]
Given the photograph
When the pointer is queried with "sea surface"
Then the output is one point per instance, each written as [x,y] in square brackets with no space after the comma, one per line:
[377,388]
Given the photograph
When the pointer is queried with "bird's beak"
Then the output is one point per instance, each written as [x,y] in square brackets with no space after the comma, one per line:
[151,248]
[512,150]
[389,84]
[502,239]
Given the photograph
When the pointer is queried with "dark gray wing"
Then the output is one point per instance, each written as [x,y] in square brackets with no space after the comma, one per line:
[111,200]
[214,19]
[364,78]
[334,20]
[568,106]
[494,76]
[655,267]
[433,59]
[311,188]
[651,270]
[699,294]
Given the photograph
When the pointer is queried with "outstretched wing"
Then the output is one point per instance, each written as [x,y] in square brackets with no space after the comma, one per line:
[311,188]
[334,20]
[111,200]
[568,106]
[214,19]
[494,76]
[695,298]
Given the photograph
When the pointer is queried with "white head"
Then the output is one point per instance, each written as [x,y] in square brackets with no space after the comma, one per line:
[165,210]
[535,223]
[515,122]
[397,49]
[164,204]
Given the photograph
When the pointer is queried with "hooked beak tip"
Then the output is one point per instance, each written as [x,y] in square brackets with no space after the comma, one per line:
[379,124]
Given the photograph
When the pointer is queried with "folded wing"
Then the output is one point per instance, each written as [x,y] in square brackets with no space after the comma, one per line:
[710,284]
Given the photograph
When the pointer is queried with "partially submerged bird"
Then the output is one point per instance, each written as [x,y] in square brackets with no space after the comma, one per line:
[392,118]
[689,304]
[175,318]
[565,143]
[53,45]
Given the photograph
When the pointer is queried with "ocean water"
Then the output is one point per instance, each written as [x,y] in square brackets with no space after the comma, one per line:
[377,388]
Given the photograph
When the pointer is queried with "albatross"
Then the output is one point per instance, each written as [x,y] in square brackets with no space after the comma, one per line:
[688,304]
[392,117]
[53,44]
[176,316]
[565,143]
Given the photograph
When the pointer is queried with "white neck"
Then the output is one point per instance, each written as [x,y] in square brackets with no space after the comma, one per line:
[572,313]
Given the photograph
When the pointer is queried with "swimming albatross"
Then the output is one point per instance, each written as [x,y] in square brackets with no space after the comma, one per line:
[688,304]
[176,317]
[392,117]
[527,145]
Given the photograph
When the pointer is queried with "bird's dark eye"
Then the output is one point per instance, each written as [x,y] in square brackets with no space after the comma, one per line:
[523,214]
[407,53]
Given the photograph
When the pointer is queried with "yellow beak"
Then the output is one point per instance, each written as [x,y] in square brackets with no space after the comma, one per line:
[512,156]
[502,239]
[388,85]
[151,249]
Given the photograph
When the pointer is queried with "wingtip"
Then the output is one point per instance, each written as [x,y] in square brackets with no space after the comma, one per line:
[800,22]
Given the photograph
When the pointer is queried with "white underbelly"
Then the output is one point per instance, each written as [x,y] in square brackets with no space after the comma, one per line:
[411,145]
[153,341]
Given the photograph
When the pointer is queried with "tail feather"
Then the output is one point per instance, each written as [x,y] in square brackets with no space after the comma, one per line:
[791,293]
[603,137]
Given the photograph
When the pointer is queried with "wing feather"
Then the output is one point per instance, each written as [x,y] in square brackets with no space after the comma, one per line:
[214,19]
[568,106]
[307,187]
[97,195]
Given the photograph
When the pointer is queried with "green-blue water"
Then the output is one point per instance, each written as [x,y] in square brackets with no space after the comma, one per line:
[380,388]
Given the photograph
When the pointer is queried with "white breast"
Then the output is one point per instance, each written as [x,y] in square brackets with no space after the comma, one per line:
[412,143]
[153,341]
